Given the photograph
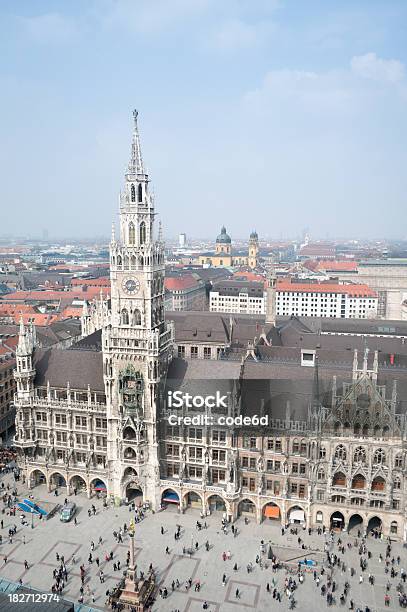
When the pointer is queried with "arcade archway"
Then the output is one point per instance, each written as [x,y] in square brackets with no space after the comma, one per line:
[133,492]
[296,514]
[56,480]
[37,478]
[246,508]
[78,484]
[193,500]
[271,512]
[170,499]
[216,504]
[97,487]
[355,523]
[337,520]
[374,525]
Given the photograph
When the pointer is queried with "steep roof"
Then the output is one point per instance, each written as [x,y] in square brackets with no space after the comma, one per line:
[79,368]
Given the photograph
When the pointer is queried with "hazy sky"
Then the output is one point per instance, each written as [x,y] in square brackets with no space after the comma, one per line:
[267,114]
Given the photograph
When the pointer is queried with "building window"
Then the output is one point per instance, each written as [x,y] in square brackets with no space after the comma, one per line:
[207,352]
[218,457]
[142,233]
[181,352]
[219,437]
[132,233]
[194,352]
[101,423]
[195,472]
[379,457]
[195,434]
[340,453]
[172,450]
[124,317]
[81,422]
[218,476]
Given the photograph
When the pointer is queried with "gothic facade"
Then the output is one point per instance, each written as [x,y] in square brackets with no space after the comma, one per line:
[96,416]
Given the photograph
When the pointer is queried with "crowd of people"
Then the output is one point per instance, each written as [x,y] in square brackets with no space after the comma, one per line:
[333,572]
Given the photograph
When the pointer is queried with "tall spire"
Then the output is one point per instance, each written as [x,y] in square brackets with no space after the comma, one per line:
[136,165]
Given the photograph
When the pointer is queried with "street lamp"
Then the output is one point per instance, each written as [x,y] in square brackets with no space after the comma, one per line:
[32,518]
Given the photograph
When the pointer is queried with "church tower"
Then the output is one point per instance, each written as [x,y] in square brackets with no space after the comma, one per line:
[253,250]
[271,290]
[137,343]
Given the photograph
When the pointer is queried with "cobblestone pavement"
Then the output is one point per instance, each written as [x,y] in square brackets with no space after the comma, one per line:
[52,536]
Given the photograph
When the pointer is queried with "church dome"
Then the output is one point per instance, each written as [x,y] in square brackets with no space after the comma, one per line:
[223,237]
[254,236]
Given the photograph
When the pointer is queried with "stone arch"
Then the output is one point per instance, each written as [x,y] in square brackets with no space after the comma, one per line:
[340,452]
[296,514]
[216,503]
[97,487]
[379,457]
[124,316]
[337,520]
[133,492]
[129,433]
[37,477]
[132,233]
[78,483]
[355,522]
[378,483]
[170,497]
[129,453]
[339,479]
[359,456]
[56,480]
[271,511]
[397,483]
[358,481]
[136,317]
[193,499]
[129,472]
[142,233]
[246,507]
[374,524]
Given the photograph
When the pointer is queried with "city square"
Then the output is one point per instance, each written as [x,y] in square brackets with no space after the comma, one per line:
[187,558]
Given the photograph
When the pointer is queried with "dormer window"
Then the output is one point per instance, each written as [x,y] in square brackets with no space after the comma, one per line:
[307,358]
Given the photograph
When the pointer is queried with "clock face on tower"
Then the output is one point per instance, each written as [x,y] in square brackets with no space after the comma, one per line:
[131,285]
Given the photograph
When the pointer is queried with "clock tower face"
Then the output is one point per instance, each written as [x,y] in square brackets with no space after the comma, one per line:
[131,286]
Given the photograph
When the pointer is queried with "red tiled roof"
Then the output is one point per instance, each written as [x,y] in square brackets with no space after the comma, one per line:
[352,290]
[248,276]
[8,345]
[70,312]
[178,283]
[337,266]
[44,296]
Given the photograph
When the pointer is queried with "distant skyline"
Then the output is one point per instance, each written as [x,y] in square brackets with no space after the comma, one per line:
[268,114]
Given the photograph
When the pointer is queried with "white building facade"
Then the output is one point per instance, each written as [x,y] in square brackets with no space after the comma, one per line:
[319,300]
